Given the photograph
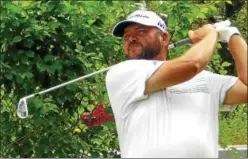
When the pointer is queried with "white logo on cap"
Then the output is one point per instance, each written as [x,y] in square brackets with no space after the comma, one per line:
[138,15]
[162,25]
[147,18]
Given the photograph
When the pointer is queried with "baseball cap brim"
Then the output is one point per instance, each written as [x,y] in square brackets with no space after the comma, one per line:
[142,17]
[118,30]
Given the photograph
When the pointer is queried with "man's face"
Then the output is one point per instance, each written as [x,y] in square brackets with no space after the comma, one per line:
[142,42]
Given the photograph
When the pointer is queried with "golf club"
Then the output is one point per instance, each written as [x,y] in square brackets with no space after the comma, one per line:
[22,108]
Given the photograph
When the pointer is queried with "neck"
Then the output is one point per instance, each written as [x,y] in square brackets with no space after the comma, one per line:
[162,56]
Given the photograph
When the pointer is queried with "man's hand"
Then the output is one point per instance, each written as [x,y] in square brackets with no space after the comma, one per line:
[200,33]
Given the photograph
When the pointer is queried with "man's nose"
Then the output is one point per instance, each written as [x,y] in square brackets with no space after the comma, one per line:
[132,39]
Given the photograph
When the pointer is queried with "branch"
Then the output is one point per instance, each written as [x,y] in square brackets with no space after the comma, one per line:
[21,138]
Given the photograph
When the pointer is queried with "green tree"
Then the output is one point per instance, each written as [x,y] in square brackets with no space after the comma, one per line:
[45,43]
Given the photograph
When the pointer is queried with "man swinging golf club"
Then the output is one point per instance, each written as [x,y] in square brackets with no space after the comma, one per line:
[170,108]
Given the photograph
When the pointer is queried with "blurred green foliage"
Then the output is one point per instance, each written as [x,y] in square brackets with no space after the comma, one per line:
[45,43]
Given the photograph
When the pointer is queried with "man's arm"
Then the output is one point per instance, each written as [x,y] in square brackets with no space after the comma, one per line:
[192,62]
[238,92]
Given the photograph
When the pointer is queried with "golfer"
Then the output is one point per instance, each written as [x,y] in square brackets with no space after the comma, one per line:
[169,108]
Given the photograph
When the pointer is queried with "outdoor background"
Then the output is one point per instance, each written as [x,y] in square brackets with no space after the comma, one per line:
[46,43]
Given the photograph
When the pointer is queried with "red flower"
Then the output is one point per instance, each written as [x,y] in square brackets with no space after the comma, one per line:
[87,119]
[97,117]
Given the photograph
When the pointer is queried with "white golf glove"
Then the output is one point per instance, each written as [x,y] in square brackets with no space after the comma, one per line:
[222,24]
[225,31]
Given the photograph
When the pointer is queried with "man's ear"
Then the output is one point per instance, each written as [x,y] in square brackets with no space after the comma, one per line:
[165,38]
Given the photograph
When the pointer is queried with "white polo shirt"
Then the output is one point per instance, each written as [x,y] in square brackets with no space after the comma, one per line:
[179,121]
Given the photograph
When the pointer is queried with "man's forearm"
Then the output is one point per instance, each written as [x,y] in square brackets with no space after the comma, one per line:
[238,49]
[202,51]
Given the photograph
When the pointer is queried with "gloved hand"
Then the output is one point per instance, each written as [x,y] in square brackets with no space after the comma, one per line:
[222,24]
[225,31]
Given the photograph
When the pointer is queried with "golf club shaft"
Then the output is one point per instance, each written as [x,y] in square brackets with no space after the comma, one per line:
[179,43]
[69,82]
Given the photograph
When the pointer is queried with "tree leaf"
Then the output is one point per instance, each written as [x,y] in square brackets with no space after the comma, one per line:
[24,59]
[229,2]
[226,64]
[172,20]
[223,72]
[48,58]
[17,39]
[41,66]
[26,3]
[29,75]
[30,54]
[8,76]
[71,87]
[14,8]
[109,124]
[19,79]
[108,110]
[80,110]
[56,65]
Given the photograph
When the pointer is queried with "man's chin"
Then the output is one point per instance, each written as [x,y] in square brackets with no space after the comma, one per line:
[134,55]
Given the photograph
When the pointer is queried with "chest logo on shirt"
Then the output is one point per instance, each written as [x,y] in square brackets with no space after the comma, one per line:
[192,86]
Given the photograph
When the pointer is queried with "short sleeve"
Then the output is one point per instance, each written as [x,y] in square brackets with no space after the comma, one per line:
[220,84]
[126,83]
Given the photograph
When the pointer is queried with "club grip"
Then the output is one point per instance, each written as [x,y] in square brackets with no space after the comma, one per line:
[183,42]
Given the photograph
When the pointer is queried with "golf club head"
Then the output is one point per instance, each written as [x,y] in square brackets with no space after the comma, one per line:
[22,108]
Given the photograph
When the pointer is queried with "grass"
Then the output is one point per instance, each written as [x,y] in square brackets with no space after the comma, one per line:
[233,127]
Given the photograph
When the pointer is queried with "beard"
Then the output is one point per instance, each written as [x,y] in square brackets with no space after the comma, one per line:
[148,53]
